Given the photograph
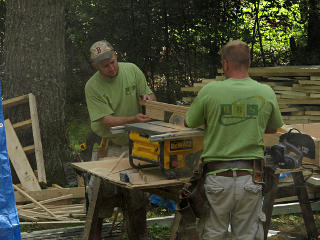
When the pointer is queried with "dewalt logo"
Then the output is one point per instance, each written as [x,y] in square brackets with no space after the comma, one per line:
[181,144]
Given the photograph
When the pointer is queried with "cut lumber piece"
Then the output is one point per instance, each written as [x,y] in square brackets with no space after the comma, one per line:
[15,101]
[274,84]
[199,85]
[42,215]
[291,93]
[316,78]
[19,160]
[302,87]
[290,109]
[164,111]
[31,205]
[279,78]
[309,82]
[27,217]
[310,70]
[33,200]
[297,113]
[282,88]
[22,125]
[29,149]
[295,117]
[314,95]
[190,89]
[37,139]
[77,192]
[296,121]
[52,223]
[300,101]
[317,113]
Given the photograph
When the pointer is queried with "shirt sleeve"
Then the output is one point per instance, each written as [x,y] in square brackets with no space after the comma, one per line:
[275,120]
[97,107]
[195,116]
[142,86]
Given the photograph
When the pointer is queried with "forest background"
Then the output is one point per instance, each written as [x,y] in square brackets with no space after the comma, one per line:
[44,48]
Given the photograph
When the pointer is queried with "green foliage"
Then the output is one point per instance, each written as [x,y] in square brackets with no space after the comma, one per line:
[159,232]
[176,42]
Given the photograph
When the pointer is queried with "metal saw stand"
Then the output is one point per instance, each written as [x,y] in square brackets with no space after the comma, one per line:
[301,191]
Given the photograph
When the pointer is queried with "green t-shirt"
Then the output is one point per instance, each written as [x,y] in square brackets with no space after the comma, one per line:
[118,96]
[235,113]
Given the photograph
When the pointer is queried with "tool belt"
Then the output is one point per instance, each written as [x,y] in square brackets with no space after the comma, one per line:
[193,200]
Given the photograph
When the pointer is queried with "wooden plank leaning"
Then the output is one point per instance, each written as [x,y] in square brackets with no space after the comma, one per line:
[37,139]
[19,160]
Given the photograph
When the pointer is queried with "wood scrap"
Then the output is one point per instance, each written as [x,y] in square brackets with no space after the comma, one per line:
[33,200]
[19,160]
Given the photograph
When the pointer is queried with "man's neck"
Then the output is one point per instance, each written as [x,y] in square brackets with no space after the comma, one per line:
[237,75]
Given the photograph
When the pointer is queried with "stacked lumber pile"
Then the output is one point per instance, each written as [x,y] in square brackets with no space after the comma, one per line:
[297,89]
[35,204]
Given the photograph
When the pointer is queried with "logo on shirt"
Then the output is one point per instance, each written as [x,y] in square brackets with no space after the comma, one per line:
[130,90]
[241,110]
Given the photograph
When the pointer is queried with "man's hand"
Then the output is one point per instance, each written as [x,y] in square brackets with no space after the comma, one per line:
[146,97]
[142,118]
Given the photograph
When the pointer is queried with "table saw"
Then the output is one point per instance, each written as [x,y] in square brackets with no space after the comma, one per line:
[173,148]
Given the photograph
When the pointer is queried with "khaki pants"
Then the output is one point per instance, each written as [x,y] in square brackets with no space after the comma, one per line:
[133,202]
[236,201]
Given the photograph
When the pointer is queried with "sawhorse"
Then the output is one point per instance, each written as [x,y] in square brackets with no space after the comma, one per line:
[301,191]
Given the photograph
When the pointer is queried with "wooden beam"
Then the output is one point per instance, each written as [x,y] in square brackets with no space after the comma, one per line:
[15,101]
[22,125]
[309,70]
[77,192]
[34,201]
[45,201]
[28,149]
[37,139]
[19,160]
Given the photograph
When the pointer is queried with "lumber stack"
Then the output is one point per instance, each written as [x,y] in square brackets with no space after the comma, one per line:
[34,204]
[297,89]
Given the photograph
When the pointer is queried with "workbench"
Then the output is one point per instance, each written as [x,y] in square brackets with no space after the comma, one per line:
[149,180]
[153,181]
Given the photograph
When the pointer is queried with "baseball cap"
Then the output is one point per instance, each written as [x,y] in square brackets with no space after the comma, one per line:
[101,50]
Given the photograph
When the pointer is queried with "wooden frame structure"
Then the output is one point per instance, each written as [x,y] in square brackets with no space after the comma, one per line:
[17,151]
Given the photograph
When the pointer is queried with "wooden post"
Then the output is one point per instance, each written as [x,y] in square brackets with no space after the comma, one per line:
[269,199]
[92,229]
[300,186]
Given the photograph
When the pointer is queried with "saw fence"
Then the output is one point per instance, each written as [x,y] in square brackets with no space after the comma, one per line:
[297,89]
[52,205]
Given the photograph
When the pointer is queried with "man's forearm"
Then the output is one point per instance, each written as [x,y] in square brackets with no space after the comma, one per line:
[112,121]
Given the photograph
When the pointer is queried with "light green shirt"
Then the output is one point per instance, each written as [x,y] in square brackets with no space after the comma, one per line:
[118,96]
[235,113]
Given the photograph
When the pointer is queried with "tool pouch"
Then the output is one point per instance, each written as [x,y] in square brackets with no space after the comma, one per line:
[185,210]
[194,195]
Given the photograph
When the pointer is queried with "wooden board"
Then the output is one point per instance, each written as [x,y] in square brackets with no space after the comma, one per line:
[49,193]
[19,160]
[309,70]
[109,170]
[164,111]
[14,101]
[37,139]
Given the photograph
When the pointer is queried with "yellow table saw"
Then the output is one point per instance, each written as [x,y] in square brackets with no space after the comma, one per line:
[173,148]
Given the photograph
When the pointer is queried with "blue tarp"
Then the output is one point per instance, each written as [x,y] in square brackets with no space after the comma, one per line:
[9,221]
[162,202]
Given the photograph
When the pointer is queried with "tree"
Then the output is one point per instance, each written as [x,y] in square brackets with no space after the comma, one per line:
[35,63]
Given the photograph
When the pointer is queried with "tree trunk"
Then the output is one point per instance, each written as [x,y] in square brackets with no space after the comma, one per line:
[35,63]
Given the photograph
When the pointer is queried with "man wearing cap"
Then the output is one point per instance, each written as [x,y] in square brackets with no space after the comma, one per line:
[114,95]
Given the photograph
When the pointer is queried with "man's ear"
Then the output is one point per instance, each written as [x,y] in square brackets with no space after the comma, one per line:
[95,66]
